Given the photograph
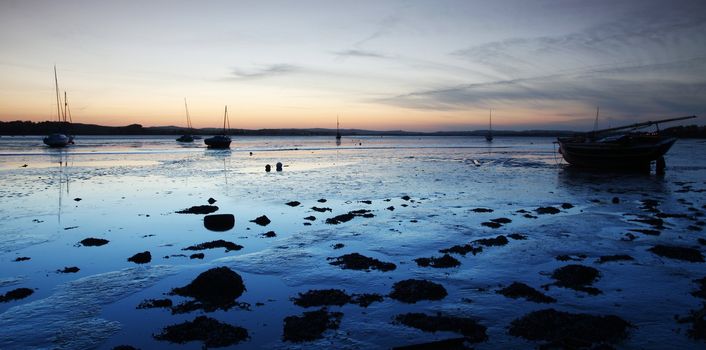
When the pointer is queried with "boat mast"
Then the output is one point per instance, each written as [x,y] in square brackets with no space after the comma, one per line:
[639,125]
[66,106]
[188,117]
[58,99]
[595,123]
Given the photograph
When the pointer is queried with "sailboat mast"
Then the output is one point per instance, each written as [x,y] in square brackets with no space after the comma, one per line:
[66,106]
[58,99]
[595,123]
[490,121]
[188,117]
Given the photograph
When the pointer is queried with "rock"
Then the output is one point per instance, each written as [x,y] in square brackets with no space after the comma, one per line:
[577,277]
[445,261]
[366,202]
[491,224]
[21,258]
[93,242]
[16,294]
[278,166]
[618,257]
[269,234]
[338,246]
[210,331]
[310,325]
[615,200]
[492,242]
[293,203]
[482,210]
[406,198]
[322,200]
[390,208]
[77,199]
[446,344]
[199,209]
[310,218]
[217,288]
[677,252]
[268,168]
[322,297]
[569,331]
[197,256]
[697,318]
[262,220]
[547,210]
[654,222]
[215,244]
[219,222]
[701,241]
[462,249]
[365,299]
[517,236]
[501,220]
[155,303]
[521,290]
[349,216]
[567,205]
[472,330]
[320,210]
[413,290]
[211,200]
[141,258]
[72,269]
[566,257]
[356,261]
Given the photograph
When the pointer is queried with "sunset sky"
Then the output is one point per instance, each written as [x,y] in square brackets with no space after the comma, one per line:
[385,65]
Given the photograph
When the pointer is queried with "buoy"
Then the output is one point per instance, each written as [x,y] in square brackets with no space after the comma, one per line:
[268,168]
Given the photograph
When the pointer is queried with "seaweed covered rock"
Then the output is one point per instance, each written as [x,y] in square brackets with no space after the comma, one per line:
[521,290]
[413,290]
[462,249]
[93,242]
[677,252]
[577,277]
[293,203]
[199,209]
[322,297]
[547,210]
[310,325]
[217,288]
[262,220]
[211,332]
[356,261]
[365,299]
[349,216]
[141,258]
[155,303]
[570,331]
[445,261]
[472,330]
[72,269]
[219,222]
[618,257]
[215,244]
[16,294]
[492,242]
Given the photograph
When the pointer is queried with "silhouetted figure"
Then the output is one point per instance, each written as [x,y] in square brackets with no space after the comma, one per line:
[268,168]
[251,154]
[279,166]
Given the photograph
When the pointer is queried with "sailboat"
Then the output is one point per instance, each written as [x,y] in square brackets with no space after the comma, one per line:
[187,137]
[58,140]
[489,136]
[338,132]
[220,141]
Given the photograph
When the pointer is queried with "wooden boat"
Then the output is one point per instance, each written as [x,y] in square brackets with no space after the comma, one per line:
[220,141]
[187,137]
[608,150]
[58,140]
[489,135]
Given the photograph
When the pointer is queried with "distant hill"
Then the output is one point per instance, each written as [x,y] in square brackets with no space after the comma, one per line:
[44,128]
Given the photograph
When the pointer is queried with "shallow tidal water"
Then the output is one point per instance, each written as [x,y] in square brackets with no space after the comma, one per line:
[127,191]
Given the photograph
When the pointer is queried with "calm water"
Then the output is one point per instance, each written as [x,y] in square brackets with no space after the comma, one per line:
[129,189]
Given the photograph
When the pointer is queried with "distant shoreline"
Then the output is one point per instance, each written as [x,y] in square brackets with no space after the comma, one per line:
[28,128]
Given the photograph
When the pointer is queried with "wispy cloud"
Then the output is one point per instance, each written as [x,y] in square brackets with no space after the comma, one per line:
[359,53]
[263,72]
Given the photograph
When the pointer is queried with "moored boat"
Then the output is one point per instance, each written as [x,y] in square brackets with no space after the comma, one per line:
[187,137]
[607,150]
[220,141]
[58,140]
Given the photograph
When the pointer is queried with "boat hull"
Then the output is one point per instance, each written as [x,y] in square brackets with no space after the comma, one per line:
[57,140]
[218,142]
[185,138]
[632,154]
